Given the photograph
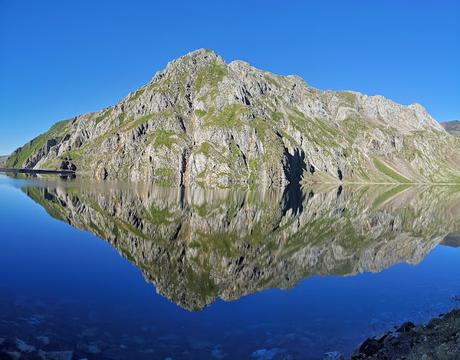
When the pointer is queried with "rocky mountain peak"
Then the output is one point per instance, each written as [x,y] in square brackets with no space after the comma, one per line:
[191,61]
[201,120]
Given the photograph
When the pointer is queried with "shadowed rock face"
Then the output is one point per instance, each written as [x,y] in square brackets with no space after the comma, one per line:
[196,245]
[202,120]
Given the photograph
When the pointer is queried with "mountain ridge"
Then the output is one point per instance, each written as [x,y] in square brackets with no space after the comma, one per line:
[452,127]
[203,121]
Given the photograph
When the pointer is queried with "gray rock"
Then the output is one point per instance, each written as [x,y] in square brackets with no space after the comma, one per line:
[202,120]
[24,347]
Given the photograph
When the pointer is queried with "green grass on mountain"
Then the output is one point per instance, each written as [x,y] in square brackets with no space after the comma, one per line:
[390,193]
[164,138]
[210,75]
[228,116]
[389,172]
[18,159]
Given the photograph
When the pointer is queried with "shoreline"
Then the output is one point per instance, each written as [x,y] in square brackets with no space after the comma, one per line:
[437,339]
[37,171]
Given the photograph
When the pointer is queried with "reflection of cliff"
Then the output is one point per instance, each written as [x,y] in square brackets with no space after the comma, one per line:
[198,245]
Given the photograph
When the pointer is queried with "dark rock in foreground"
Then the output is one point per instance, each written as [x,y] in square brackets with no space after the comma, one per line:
[439,339]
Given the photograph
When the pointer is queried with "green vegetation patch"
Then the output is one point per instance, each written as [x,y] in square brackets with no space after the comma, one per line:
[137,94]
[164,172]
[271,80]
[229,116]
[200,113]
[388,171]
[353,127]
[164,138]
[204,149]
[104,115]
[210,75]
[317,131]
[223,244]
[19,158]
[347,97]
[159,216]
[385,196]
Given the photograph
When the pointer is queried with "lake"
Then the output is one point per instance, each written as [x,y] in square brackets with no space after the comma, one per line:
[137,271]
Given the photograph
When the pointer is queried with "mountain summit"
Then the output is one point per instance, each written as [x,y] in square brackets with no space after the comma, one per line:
[202,120]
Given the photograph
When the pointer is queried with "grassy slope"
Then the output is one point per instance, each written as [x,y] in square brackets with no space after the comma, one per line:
[19,157]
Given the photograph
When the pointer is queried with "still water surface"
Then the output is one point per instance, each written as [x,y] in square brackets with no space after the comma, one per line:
[131,271]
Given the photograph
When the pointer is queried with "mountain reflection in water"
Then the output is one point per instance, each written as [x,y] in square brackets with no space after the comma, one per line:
[196,245]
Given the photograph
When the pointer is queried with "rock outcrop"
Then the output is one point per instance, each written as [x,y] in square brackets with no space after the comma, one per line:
[204,121]
[439,339]
[196,245]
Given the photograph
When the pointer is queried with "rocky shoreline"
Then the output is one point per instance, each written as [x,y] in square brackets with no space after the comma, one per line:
[438,339]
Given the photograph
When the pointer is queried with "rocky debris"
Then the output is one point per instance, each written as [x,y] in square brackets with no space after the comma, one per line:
[24,347]
[204,121]
[67,165]
[439,339]
[333,355]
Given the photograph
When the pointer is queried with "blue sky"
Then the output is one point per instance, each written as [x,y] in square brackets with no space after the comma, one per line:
[62,58]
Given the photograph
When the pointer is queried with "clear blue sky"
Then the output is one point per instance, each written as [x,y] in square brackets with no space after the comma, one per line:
[62,58]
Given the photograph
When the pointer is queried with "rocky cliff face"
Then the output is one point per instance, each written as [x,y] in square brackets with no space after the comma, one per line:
[202,120]
[196,245]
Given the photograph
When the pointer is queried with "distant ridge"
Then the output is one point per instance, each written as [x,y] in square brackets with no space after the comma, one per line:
[3,159]
[452,127]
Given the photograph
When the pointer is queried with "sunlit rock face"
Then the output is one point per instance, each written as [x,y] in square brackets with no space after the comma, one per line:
[204,121]
[196,245]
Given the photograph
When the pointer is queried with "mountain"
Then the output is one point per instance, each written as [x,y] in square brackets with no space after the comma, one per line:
[3,160]
[203,121]
[452,127]
[197,244]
